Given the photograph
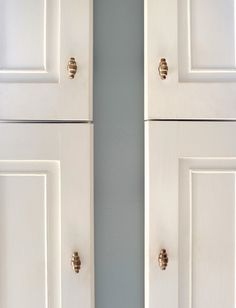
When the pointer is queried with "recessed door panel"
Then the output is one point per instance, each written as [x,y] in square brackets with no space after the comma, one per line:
[46,215]
[206,41]
[29,41]
[212,46]
[190,212]
[23,31]
[207,233]
[38,39]
[197,39]
[30,234]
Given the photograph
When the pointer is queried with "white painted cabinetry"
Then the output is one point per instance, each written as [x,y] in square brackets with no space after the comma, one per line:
[197,39]
[46,215]
[46,154]
[190,153]
[38,38]
[190,212]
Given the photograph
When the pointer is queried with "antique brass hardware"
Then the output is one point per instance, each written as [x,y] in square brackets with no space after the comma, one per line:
[76,262]
[163,68]
[72,68]
[163,259]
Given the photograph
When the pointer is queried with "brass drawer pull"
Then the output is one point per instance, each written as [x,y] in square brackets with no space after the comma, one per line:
[163,68]
[163,259]
[76,262]
[72,68]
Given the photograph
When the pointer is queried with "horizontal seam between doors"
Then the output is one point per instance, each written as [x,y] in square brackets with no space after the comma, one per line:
[190,120]
[45,122]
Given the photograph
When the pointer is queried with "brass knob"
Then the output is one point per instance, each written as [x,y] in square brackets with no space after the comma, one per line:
[72,68]
[76,262]
[163,259]
[163,68]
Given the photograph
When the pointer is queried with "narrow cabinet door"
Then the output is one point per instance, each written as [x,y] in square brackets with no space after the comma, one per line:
[45,59]
[190,214]
[46,216]
[196,41]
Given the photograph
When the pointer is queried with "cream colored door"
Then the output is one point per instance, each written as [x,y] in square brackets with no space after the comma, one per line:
[46,210]
[38,38]
[197,39]
[45,215]
[190,212]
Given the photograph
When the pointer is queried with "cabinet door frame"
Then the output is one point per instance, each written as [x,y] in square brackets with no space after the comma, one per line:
[167,145]
[62,155]
[36,85]
[189,92]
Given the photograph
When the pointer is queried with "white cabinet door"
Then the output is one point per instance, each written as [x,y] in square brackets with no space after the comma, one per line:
[190,212]
[38,38]
[197,39]
[45,215]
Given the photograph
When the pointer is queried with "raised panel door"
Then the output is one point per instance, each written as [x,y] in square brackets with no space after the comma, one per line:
[197,39]
[190,212]
[38,38]
[46,215]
